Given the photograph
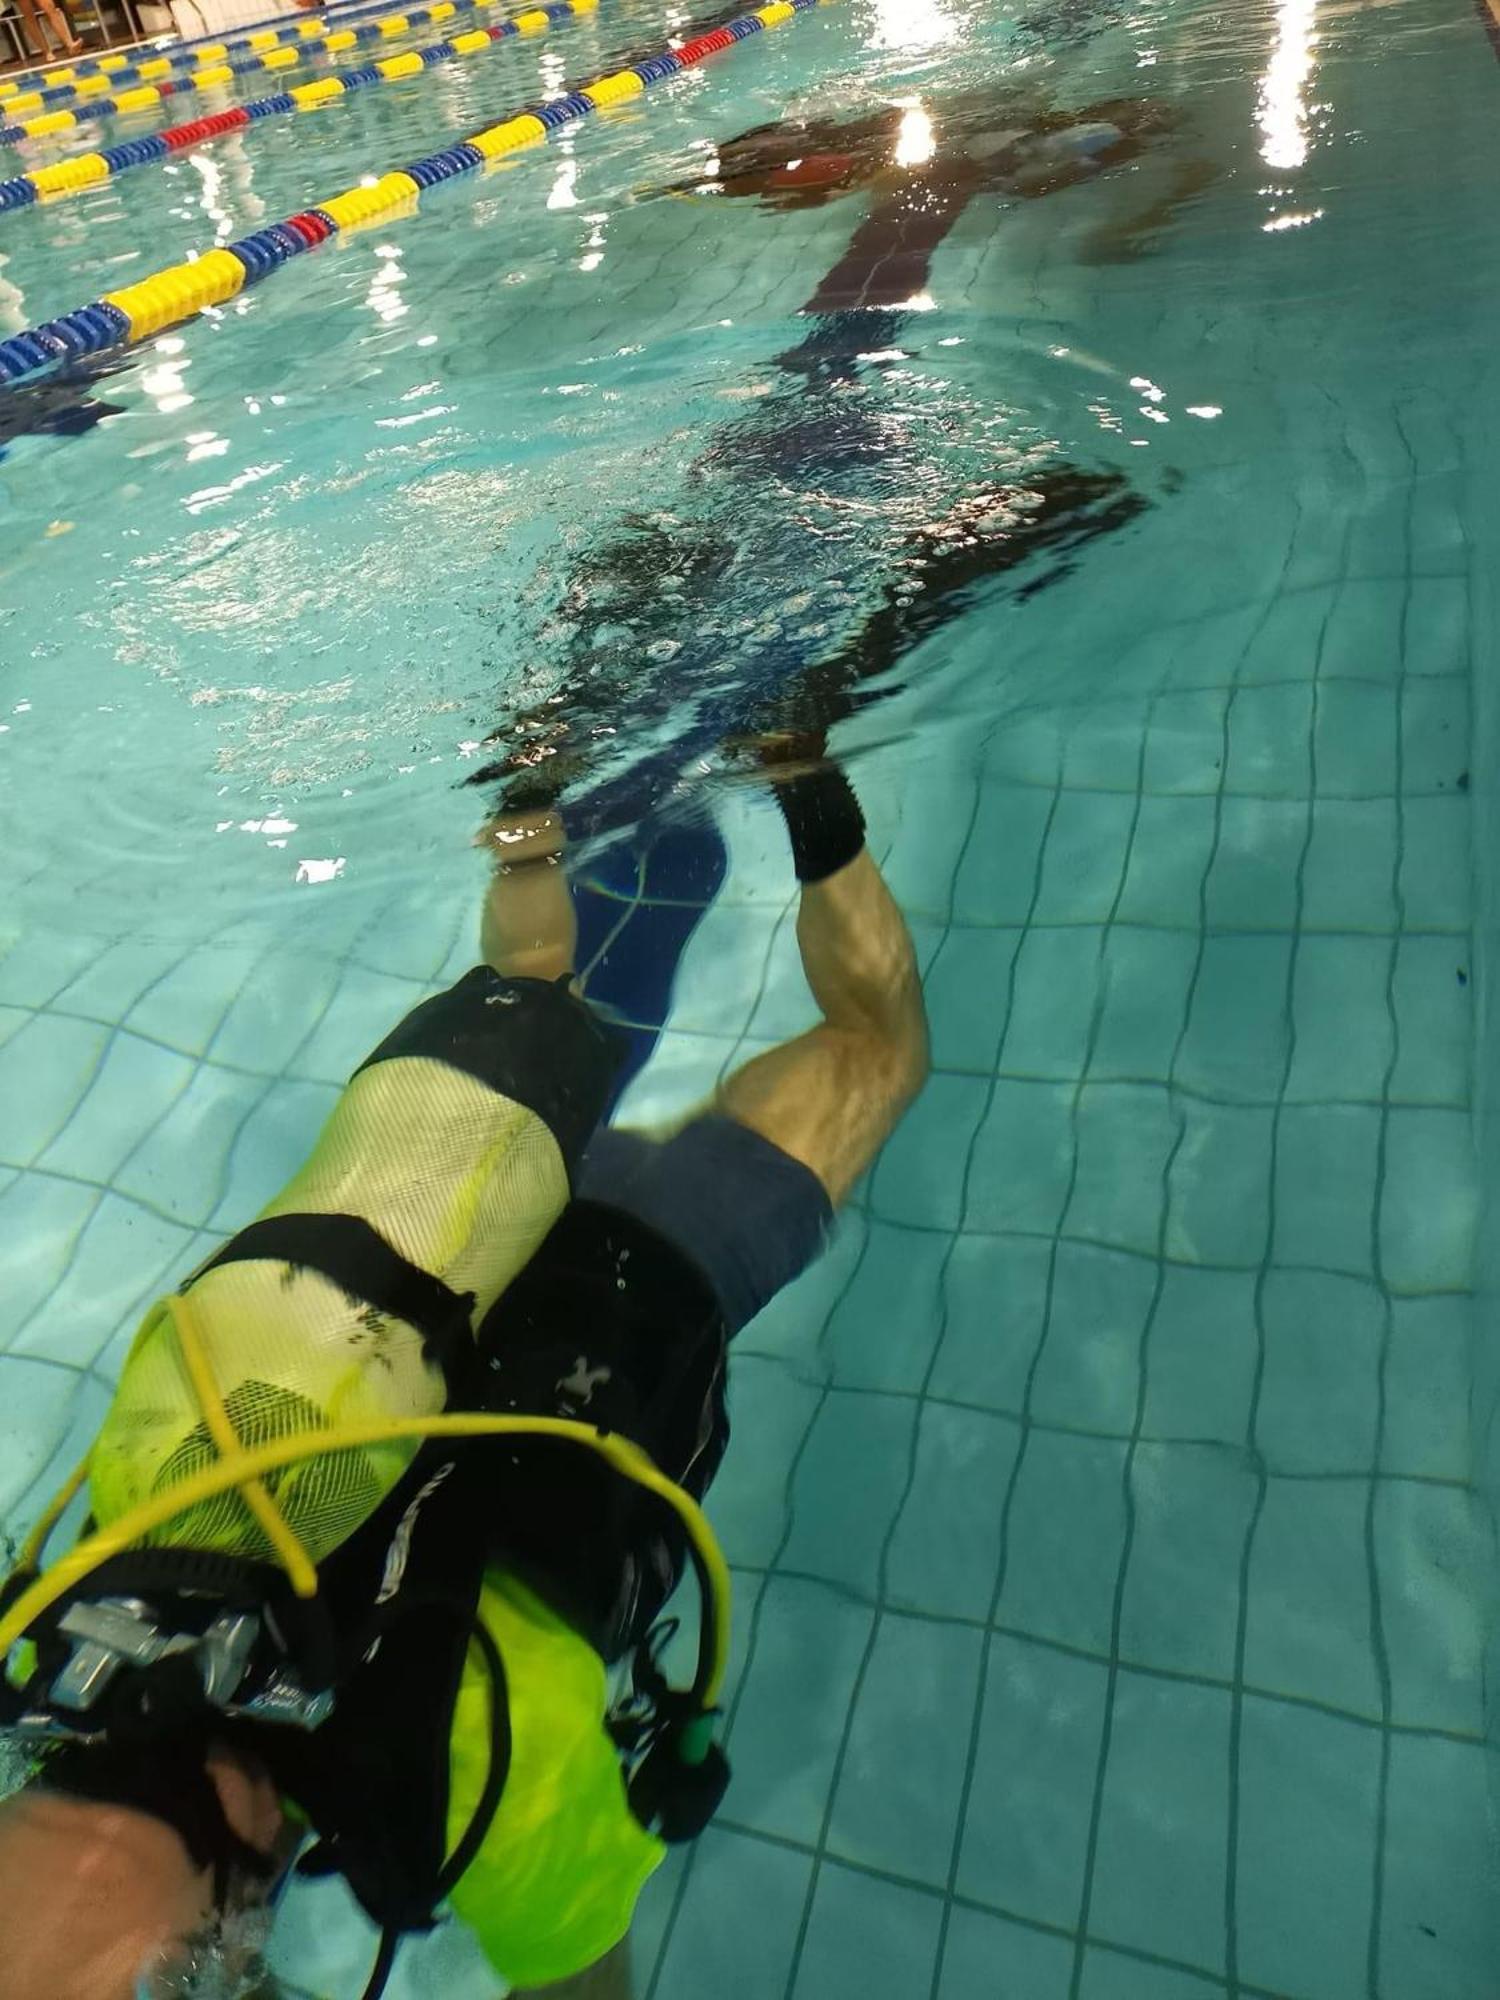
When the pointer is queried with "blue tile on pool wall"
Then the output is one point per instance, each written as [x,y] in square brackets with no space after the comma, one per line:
[1434,1551]
[995,1299]
[1089,1374]
[1026,1831]
[1307,1785]
[1159,1868]
[1067,1527]
[1203,1356]
[882,1331]
[986,1956]
[920,1175]
[45,1071]
[1319,1389]
[898,1794]
[809,1642]
[1439,1937]
[737,1930]
[1308,1627]
[966,989]
[867,1940]
[1109,1975]
[848,1488]
[946,1547]
[1193,1507]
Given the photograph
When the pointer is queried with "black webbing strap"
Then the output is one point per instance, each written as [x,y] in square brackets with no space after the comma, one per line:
[354,1255]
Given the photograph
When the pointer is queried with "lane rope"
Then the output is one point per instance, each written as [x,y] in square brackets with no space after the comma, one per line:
[263,34]
[139,311]
[89,169]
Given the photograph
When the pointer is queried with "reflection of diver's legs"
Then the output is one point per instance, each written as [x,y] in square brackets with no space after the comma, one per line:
[1129,236]
[830,349]
[529,928]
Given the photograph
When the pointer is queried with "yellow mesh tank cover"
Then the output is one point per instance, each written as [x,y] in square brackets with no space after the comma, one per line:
[554,1886]
[462,1181]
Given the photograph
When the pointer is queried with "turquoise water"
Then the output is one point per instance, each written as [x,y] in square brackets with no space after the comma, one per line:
[1112,1585]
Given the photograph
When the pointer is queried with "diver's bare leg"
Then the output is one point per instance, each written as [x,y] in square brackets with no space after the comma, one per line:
[832,1097]
[529,928]
[608,1980]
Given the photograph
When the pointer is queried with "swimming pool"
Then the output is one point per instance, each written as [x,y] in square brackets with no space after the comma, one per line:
[1112,1579]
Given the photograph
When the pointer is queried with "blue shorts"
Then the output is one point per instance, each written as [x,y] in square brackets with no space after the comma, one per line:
[746,1214]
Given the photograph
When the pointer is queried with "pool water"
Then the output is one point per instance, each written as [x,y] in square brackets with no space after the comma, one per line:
[1112,1582]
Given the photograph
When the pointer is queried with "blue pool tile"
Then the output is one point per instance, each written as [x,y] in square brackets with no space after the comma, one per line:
[1193,1506]
[1185,750]
[135,1083]
[1033,749]
[1439,638]
[41,1224]
[1307,1850]
[1169,860]
[996,879]
[1435,863]
[1270,737]
[179,1168]
[995,1295]
[1102,752]
[967,991]
[1126,1134]
[185,1005]
[1356,739]
[720,972]
[840,1521]
[1022,1159]
[1163,1831]
[1363,639]
[1427,1378]
[1089,1373]
[1341,1020]
[883,1330]
[926,859]
[768,1404]
[123,1256]
[1348,879]
[792,1327]
[920,1177]
[1308,1628]
[1057,987]
[898,1796]
[273,1014]
[12,1019]
[363,1011]
[653,1911]
[413,936]
[1429,1202]
[1087,849]
[1067,1528]
[946,1547]
[1433,1557]
[1026,1831]
[271,1145]
[1110,1975]
[1435,1012]
[1325,1186]
[111,982]
[1434,735]
[46,1069]
[35,967]
[1202,1356]
[1438,1937]
[986,1955]
[1320,1384]
[51,1417]
[790,1722]
[1146,982]
[1252,885]
[738,1927]
[867,1940]
[1237,1039]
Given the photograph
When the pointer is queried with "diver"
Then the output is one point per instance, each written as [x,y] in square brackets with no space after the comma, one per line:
[921,169]
[471,1710]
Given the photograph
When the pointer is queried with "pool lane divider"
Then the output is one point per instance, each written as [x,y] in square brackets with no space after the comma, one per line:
[139,311]
[198,53]
[148,94]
